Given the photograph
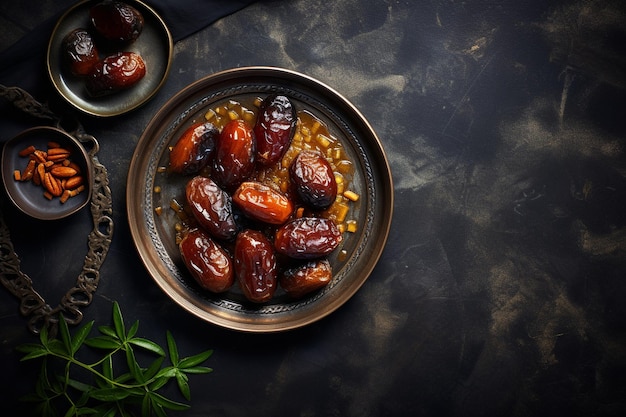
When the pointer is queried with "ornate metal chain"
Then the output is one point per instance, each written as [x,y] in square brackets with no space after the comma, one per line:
[32,304]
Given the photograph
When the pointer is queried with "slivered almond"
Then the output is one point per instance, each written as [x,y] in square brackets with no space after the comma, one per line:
[73,182]
[29,171]
[27,151]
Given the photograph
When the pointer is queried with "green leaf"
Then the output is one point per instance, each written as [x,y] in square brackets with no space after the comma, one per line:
[57,347]
[110,394]
[133,366]
[80,336]
[122,379]
[103,342]
[159,383]
[146,405]
[80,386]
[32,351]
[197,370]
[31,398]
[118,321]
[158,410]
[66,338]
[70,411]
[107,367]
[171,346]
[194,360]
[154,367]
[167,403]
[29,347]
[106,411]
[133,330]
[167,372]
[43,336]
[86,411]
[183,385]
[147,345]
[107,331]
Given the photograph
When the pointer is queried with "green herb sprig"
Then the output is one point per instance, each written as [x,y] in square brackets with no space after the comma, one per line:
[115,384]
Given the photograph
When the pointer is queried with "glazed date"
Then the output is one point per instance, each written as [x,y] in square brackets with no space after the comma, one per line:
[260,202]
[194,149]
[307,238]
[80,52]
[255,266]
[306,278]
[116,21]
[114,73]
[313,179]
[234,155]
[274,129]
[211,207]
[208,263]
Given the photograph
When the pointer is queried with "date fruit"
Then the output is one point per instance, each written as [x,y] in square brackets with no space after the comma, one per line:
[114,73]
[260,202]
[211,207]
[313,179]
[305,278]
[209,264]
[116,21]
[234,155]
[255,266]
[194,149]
[80,52]
[274,129]
[307,238]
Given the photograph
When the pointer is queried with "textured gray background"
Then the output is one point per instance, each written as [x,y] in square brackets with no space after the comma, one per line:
[501,288]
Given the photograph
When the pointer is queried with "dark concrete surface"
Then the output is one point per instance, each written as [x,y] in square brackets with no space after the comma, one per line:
[501,288]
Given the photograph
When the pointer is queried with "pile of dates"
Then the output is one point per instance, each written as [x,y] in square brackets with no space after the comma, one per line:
[113,26]
[246,232]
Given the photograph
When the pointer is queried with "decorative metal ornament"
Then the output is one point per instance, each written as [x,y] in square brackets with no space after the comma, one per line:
[32,305]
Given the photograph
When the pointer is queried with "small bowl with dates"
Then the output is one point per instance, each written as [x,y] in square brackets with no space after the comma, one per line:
[47,173]
[259,199]
[108,57]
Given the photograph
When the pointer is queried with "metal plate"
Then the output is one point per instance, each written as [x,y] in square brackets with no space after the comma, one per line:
[29,197]
[154,235]
[155,45]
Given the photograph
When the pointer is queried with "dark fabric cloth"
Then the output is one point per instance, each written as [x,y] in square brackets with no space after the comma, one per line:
[23,64]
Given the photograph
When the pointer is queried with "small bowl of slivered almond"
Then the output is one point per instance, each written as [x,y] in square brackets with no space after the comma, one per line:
[47,173]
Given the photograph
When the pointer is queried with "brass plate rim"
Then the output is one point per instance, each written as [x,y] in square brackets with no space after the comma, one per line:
[160,132]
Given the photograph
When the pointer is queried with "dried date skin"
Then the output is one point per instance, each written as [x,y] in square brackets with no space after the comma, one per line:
[234,155]
[211,207]
[307,238]
[313,179]
[274,129]
[256,267]
[116,21]
[194,149]
[116,72]
[208,263]
[260,202]
[306,278]
[80,52]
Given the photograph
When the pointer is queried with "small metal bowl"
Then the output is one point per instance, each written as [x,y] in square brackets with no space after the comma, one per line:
[28,196]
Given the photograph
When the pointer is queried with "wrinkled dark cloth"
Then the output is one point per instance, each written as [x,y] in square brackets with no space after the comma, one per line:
[23,64]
